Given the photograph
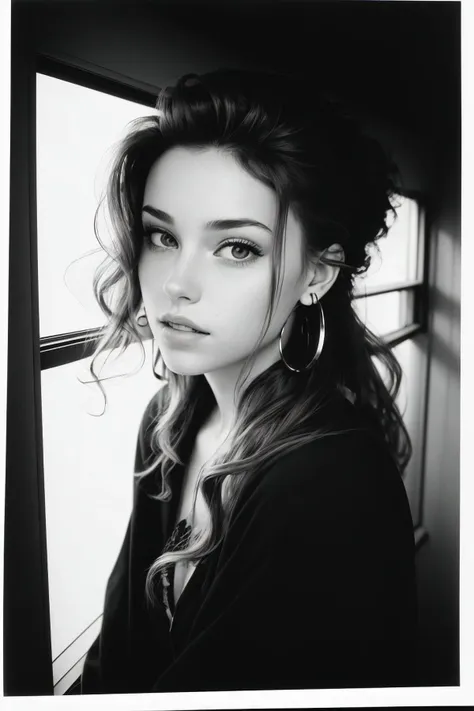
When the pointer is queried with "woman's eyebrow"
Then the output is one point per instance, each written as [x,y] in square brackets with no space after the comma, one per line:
[213,224]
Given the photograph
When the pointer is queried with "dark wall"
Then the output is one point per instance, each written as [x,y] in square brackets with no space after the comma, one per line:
[438,559]
[124,39]
[26,639]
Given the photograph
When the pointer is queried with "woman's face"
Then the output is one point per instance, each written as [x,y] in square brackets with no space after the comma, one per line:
[206,257]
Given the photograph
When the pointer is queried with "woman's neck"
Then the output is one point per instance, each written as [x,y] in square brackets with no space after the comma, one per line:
[223,384]
[223,414]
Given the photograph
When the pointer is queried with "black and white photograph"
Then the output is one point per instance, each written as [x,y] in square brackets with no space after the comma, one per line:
[233,425]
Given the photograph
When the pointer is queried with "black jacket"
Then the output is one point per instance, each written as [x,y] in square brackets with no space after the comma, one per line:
[313,585]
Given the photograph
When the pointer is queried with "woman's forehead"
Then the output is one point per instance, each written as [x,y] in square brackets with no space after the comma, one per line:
[201,185]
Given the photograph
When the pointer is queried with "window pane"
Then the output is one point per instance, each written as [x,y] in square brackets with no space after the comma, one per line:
[411,355]
[88,472]
[76,130]
[385,313]
[394,260]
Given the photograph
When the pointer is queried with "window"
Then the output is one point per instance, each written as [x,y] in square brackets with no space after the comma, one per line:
[76,131]
[88,490]
[390,299]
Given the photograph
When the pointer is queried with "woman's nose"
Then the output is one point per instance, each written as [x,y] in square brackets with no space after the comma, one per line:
[182,281]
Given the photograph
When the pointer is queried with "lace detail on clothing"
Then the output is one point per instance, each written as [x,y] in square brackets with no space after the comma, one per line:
[178,540]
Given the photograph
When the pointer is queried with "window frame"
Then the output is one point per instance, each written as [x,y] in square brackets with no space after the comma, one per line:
[90,78]
[63,348]
[28,663]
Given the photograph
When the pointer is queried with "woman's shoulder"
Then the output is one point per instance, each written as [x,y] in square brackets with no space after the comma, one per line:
[349,463]
[345,483]
[345,455]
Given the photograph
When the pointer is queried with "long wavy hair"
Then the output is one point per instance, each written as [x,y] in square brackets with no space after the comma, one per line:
[341,187]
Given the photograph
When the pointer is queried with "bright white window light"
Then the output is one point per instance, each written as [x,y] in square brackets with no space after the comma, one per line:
[88,480]
[395,257]
[77,129]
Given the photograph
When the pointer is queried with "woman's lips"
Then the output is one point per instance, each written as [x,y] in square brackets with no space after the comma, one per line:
[180,332]
[177,322]
[182,327]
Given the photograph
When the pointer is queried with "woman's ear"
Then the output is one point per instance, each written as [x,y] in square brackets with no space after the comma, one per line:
[322,274]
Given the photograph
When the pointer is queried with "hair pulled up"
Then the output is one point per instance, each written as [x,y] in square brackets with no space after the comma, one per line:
[341,187]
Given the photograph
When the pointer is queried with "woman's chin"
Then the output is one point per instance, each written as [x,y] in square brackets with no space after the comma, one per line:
[173,365]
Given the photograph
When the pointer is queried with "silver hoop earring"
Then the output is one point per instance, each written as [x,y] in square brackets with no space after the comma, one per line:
[308,331]
[142,319]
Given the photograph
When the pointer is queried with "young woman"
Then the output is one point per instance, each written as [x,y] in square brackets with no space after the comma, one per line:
[270,543]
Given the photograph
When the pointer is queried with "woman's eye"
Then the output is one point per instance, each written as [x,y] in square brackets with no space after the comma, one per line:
[239,251]
[236,251]
[159,238]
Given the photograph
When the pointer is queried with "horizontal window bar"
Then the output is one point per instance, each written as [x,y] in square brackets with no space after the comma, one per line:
[90,78]
[65,340]
[396,337]
[68,347]
[401,286]
[66,354]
